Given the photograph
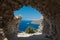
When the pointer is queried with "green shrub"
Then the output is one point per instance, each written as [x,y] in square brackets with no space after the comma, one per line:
[30,30]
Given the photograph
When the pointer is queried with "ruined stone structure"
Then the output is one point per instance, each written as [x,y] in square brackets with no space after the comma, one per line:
[12,27]
[50,10]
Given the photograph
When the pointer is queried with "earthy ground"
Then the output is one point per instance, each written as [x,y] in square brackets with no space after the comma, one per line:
[33,37]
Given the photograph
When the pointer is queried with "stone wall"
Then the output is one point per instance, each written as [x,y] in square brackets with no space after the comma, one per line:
[49,8]
[13,25]
[9,26]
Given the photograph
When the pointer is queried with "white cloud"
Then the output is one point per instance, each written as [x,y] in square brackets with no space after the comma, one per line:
[31,19]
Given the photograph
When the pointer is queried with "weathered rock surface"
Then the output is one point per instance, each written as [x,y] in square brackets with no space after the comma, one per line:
[49,8]
[40,28]
[12,27]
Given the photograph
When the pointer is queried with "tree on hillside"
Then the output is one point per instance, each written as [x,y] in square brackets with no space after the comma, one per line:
[30,30]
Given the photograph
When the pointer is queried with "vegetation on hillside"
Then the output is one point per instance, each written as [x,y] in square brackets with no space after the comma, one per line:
[30,29]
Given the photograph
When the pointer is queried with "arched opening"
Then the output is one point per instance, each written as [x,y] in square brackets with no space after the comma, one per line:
[50,9]
[31,18]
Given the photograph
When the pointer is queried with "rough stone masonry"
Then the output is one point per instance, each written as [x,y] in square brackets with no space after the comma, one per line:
[50,10]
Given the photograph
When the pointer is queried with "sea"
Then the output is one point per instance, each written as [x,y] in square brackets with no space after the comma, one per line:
[25,23]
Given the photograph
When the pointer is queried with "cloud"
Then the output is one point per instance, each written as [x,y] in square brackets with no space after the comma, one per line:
[38,21]
[31,19]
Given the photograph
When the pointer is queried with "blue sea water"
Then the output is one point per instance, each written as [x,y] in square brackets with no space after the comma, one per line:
[25,23]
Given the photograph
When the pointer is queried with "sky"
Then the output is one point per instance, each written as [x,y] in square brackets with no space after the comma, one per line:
[28,13]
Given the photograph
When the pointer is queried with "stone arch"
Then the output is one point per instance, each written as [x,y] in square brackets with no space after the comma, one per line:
[49,8]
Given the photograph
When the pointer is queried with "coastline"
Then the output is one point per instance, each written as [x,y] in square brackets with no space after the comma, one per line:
[23,34]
